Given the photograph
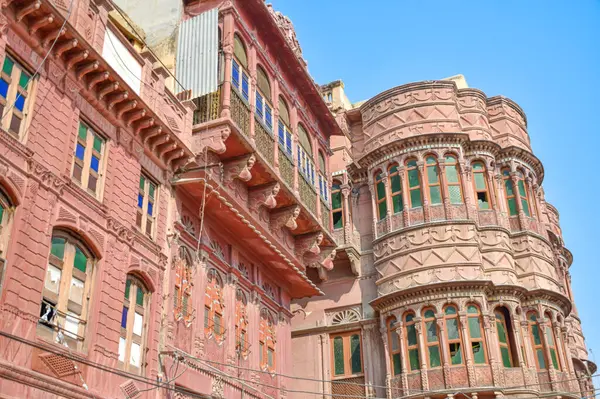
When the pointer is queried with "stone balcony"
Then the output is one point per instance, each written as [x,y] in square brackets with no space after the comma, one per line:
[261,179]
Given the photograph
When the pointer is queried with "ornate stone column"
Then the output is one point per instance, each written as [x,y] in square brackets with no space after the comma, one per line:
[388,365]
[424,194]
[444,190]
[403,355]
[495,358]
[252,94]
[501,207]
[462,316]
[523,225]
[388,201]
[405,199]
[276,126]
[228,32]
[543,323]
[445,351]
[516,331]
[347,223]
[529,354]
[373,204]
[466,184]
[423,357]
[295,144]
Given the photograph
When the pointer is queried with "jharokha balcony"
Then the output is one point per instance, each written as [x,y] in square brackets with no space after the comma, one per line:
[260,182]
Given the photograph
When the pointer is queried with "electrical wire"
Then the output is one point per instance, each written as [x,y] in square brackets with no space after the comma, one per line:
[148,47]
[37,71]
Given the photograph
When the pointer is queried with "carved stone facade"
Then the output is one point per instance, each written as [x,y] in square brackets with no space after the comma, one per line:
[459,265]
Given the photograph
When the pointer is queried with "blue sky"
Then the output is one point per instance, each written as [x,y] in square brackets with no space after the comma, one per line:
[543,55]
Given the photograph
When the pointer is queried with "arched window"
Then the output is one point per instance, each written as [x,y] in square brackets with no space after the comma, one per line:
[323,183]
[394,342]
[337,205]
[346,354]
[241,323]
[512,196]
[552,343]
[453,334]
[239,77]
[67,287]
[284,133]
[414,183]
[380,196]
[264,110]
[183,286]
[506,339]
[213,305]
[267,341]
[433,181]
[432,340]
[395,188]
[476,335]
[134,320]
[535,334]
[453,180]
[306,165]
[481,185]
[412,343]
[6,215]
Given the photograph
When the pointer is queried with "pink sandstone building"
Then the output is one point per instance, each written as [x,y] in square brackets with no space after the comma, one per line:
[202,220]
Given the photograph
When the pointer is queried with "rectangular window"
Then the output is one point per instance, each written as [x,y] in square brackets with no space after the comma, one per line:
[285,139]
[15,96]
[88,160]
[264,111]
[146,205]
[324,188]
[346,354]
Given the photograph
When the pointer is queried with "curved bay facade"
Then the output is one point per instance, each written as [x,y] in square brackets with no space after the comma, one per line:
[451,274]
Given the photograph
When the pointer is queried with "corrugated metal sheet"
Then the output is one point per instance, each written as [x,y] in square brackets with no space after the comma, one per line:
[198,53]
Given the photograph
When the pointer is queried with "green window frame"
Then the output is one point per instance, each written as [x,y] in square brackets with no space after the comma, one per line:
[453,182]
[346,354]
[395,189]
[412,342]
[413,178]
[434,187]
[481,186]
[453,335]
[395,349]
[476,335]
[337,206]
[432,340]
[380,196]
[504,339]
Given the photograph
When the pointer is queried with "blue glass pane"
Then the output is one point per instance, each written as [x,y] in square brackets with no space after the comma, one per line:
[20,103]
[150,208]
[282,135]
[259,105]
[124,317]
[268,118]
[95,164]
[245,86]
[235,74]
[288,142]
[79,151]
[140,200]
[3,87]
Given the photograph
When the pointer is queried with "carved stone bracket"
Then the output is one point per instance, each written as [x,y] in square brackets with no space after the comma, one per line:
[238,169]
[48,179]
[285,217]
[309,243]
[122,232]
[322,262]
[263,196]
[213,138]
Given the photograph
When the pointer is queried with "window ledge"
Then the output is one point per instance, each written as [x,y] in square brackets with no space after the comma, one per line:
[85,196]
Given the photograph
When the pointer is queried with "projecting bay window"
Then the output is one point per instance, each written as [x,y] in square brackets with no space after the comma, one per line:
[394,344]
[453,335]
[505,337]
[88,161]
[434,189]
[395,188]
[552,344]
[414,184]
[380,196]
[337,206]
[536,336]
[15,96]
[323,184]
[453,180]
[482,186]
[264,109]
[412,343]
[346,355]
[66,293]
[146,206]
[213,306]
[432,341]
[476,335]
[133,325]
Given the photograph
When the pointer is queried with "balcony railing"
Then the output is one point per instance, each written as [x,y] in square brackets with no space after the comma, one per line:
[208,107]
[264,141]
[240,112]
[348,387]
[286,169]
[308,195]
